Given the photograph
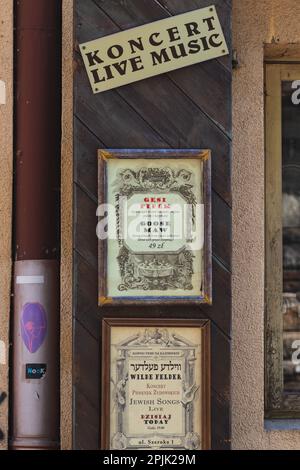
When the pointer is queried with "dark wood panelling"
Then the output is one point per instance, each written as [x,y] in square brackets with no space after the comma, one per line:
[86,295]
[86,423]
[86,372]
[199,76]
[221,215]
[220,358]
[119,122]
[85,226]
[220,418]
[215,102]
[85,155]
[187,108]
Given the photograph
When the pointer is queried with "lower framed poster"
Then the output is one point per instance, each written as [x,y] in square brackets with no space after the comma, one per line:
[155,384]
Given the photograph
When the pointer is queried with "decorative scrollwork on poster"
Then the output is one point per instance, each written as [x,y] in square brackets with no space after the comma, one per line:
[161,215]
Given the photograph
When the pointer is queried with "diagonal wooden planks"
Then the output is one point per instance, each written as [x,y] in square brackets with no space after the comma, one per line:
[186,108]
[86,435]
[119,122]
[146,11]
[157,100]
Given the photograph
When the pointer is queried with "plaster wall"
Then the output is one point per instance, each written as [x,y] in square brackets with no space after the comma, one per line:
[255,22]
[66,226]
[6,160]
[6,166]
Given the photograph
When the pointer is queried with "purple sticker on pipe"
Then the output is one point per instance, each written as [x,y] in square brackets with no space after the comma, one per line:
[33,326]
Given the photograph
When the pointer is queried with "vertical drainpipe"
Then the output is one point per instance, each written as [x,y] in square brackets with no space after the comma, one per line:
[35,336]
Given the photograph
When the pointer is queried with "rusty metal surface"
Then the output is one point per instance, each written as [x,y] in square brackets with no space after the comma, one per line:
[37,129]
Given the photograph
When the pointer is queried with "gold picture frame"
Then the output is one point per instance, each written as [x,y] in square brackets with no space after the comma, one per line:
[149,271]
[155,384]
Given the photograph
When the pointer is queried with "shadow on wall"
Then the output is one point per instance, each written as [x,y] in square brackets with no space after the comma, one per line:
[2,399]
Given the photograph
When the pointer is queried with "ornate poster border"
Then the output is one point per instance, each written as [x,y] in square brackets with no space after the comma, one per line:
[157,325]
[206,287]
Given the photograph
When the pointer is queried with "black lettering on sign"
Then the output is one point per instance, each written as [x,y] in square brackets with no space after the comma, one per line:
[115,52]
[93,58]
[194,47]
[192,29]
[96,76]
[139,53]
[136,64]
[173,34]
[160,57]
[213,42]
[153,39]
[209,22]
[136,44]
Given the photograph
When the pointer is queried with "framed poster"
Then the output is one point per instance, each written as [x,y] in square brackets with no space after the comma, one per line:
[155,384]
[154,226]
